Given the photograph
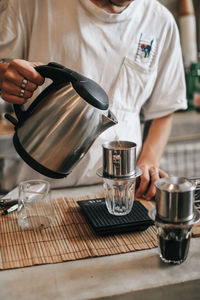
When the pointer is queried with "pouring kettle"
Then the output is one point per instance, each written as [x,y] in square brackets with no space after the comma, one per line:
[61,124]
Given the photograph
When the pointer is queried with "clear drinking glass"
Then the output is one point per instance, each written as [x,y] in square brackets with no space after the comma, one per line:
[119,195]
[173,242]
[34,206]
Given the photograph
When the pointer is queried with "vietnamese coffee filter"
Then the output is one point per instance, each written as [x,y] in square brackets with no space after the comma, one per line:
[119,159]
[119,174]
[175,199]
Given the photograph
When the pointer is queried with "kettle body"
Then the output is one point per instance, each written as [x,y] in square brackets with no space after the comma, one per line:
[61,124]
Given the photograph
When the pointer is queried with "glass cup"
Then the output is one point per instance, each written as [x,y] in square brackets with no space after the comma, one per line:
[34,205]
[173,241]
[119,174]
[119,195]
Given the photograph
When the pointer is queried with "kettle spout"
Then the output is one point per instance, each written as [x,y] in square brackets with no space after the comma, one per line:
[109,120]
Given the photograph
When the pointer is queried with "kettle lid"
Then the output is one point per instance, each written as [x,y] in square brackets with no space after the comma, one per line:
[91,92]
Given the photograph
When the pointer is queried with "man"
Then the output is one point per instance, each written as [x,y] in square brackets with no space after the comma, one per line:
[131,48]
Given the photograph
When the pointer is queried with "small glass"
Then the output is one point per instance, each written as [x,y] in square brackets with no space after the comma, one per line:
[173,242]
[34,206]
[119,195]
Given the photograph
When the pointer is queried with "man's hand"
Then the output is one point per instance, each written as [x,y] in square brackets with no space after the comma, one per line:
[145,187]
[19,80]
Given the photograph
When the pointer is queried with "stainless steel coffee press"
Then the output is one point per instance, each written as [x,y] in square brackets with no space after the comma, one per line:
[174,216]
[119,174]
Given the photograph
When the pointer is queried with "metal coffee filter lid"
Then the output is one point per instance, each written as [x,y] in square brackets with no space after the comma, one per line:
[175,184]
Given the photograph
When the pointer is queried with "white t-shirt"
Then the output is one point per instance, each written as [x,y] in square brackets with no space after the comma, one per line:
[135,56]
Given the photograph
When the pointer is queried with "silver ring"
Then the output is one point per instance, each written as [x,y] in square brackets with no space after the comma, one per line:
[22,93]
[24,83]
[154,173]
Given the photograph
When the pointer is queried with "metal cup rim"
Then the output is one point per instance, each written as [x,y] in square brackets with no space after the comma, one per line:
[100,172]
[112,145]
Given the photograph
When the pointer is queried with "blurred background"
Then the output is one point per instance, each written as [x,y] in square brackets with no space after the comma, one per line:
[182,154]
[174,7]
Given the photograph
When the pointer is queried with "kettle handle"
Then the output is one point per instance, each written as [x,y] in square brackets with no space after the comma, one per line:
[19,111]
[53,71]
[56,71]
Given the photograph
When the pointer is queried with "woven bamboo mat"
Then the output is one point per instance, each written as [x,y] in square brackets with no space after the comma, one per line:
[68,238]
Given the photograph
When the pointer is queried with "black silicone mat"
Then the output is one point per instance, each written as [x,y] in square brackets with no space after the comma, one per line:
[102,222]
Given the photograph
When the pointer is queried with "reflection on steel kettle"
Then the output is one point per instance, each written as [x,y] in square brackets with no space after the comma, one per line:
[61,124]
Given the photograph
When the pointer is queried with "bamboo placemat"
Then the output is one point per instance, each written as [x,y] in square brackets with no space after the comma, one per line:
[68,238]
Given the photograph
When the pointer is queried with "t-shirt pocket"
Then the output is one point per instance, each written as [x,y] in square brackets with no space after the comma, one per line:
[133,86]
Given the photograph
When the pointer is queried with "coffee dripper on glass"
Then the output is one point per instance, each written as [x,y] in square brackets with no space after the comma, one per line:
[174,216]
[119,174]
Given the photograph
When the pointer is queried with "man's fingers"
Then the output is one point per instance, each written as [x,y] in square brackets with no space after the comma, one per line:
[20,81]
[143,183]
[26,70]
[13,99]
[12,89]
[13,79]
[163,174]
[146,185]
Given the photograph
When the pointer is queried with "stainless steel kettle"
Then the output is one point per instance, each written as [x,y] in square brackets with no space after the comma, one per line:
[61,124]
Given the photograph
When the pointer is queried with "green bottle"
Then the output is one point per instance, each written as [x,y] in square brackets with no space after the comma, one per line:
[192,76]
[196,93]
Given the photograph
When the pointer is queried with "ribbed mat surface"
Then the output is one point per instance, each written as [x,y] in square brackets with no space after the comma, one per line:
[69,238]
[104,223]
